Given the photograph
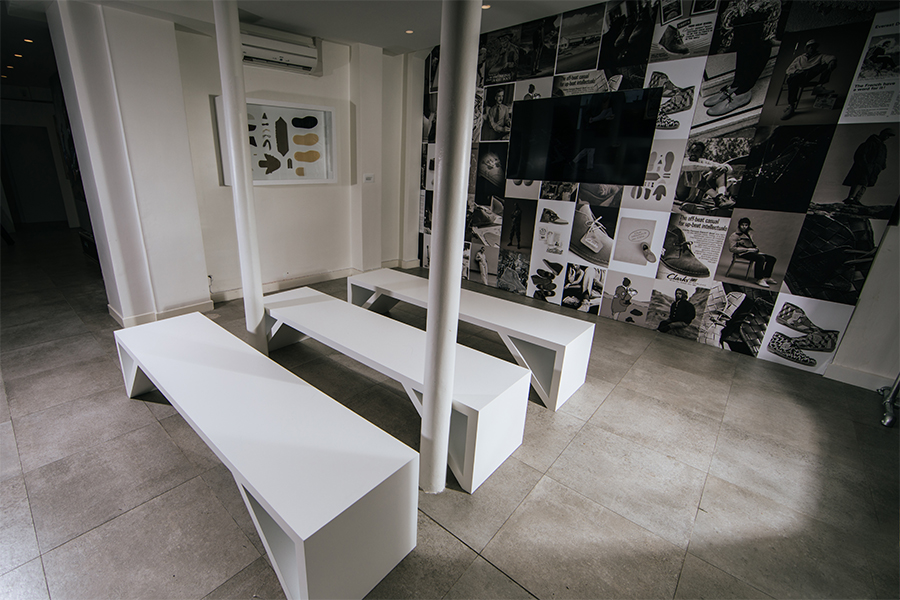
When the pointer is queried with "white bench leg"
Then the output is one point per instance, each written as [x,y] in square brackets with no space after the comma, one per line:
[136,381]
[540,361]
[280,335]
[371,300]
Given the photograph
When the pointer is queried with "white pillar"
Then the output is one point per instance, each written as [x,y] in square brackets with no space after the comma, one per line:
[460,25]
[234,102]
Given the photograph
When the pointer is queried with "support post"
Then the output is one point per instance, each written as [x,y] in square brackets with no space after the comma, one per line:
[460,26]
[234,102]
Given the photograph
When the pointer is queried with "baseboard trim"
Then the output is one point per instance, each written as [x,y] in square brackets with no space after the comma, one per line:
[205,306]
[869,381]
[285,284]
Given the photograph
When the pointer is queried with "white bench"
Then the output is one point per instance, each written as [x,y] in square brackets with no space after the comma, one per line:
[554,347]
[334,498]
[490,396]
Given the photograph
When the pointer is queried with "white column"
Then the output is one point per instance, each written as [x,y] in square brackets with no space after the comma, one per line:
[234,102]
[460,25]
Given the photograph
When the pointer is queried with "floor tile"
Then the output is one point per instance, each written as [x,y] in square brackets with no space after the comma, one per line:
[684,435]
[622,337]
[10,464]
[191,444]
[25,583]
[546,435]
[777,550]
[585,402]
[476,518]
[609,364]
[819,486]
[25,309]
[258,580]
[71,427]
[694,358]
[391,411]
[431,569]
[65,324]
[781,380]
[706,394]
[699,579]
[185,534]
[4,402]
[483,581]
[49,355]
[16,527]
[223,485]
[646,487]
[333,378]
[62,384]
[80,492]
[559,544]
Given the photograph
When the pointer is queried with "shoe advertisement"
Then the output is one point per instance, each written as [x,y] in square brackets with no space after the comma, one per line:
[678,80]
[684,29]
[691,248]
[804,332]
[763,184]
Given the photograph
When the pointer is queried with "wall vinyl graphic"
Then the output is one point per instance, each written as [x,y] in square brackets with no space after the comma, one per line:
[289,143]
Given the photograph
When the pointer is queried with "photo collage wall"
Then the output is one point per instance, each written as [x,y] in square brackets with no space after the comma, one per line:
[771,174]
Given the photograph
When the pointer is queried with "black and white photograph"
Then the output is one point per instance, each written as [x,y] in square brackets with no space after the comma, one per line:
[512,271]
[758,247]
[859,174]
[738,70]
[663,170]
[583,288]
[783,167]
[711,175]
[546,278]
[538,41]
[497,115]
[518,224]
[501,60]
[523,188]
[483,221]
[677,309]
[678,82]
[812,75]
[626,298]
[593,232]
[600,194]
[566,191]
[426,208]
[681,34]
[691,248]
[834,254]
[553,229]
[736,317]
[533,89]
[483,262]
[431,69]
[639,241]
[628,32]
[584,82]
[429,119]
[804,333]
[873,95]
[579,39]
[491,172]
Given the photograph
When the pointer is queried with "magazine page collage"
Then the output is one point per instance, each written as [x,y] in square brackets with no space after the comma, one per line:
[769,133]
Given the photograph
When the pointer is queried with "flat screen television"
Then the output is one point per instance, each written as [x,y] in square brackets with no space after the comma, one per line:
[591,138]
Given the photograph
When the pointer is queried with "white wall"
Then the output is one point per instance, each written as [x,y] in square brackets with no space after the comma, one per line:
[391,159]
[121,83]
[869,354]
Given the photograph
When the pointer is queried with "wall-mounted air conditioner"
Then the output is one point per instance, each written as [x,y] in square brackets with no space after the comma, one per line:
[280,49]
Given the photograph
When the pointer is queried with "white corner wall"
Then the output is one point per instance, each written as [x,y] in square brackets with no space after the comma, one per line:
[413,90]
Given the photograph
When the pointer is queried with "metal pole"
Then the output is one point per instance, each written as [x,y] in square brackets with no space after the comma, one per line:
[460,26]
[228,43]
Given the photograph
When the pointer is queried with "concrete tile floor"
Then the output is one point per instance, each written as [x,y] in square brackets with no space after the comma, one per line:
[677,471]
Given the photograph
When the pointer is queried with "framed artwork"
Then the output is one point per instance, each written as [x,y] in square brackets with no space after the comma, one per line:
[289,143]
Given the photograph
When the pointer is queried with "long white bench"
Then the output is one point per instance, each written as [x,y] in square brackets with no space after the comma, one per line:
[490,396]
[334,498]
[554,347]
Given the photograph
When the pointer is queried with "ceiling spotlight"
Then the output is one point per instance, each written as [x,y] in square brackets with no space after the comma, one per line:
[9,66]
[29,41]
[485,6]
[409,31]
[17,55]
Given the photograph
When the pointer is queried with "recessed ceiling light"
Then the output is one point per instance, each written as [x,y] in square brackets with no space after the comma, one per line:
[9,66]
[485,6]
[29,41]
[409,31]
[17,55]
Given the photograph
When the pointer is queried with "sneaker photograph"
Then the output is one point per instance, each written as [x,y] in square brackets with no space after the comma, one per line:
[548,216]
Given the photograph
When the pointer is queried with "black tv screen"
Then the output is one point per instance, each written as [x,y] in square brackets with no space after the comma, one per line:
[591,138]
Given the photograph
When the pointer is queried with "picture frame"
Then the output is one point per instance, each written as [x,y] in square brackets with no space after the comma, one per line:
[289,143]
